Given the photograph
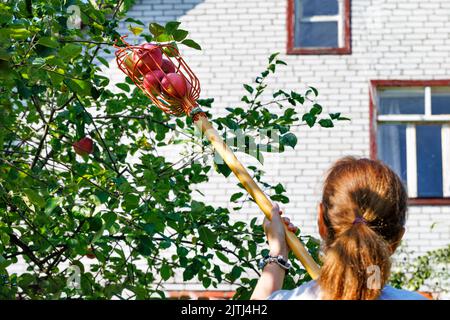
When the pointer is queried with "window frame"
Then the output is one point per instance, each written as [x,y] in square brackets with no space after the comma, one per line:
[343,26]
[374,119]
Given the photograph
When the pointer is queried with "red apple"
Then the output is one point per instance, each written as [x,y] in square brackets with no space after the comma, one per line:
[130,63]
[84,146]
[174,85]
[188,86]
[149,58]
[90,253]
[152,81]
[167,66]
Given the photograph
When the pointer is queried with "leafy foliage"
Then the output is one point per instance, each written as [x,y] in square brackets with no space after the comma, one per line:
[427,272]
[123,215]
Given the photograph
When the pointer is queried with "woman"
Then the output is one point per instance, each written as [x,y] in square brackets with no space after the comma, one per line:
[361,221]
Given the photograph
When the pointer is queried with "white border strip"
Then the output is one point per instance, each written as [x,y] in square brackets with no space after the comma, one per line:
[341,27]
[411,160]
[321,19]
[427,101]
[413,117]
[446,160]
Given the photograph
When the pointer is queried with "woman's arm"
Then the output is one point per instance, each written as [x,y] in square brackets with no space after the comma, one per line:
[273,275]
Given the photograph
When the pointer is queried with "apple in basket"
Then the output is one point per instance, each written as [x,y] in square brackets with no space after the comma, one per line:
[152,81]
[141,61]
[174,85]
[150,58]
[167,66]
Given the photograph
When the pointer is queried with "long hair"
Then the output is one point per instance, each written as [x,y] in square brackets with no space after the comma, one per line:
[364,211]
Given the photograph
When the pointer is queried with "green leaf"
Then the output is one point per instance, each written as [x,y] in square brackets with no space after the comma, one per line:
[207,236]
[326,123]
[48,42]
[335,116]
[281,92]
[197,208]
[235,273]
[310,119]
[192,44]
[165,272]
[297,97]
[19,33]
[245,99]
[171,26]
[38,61]
[95,224]
[139,22]
[207,103]
[145,246]
[80,87]
[70,51]
[103,61]
[131,201]
[279,188]
[156,29]
[35,197]
[102,196]
[50,205]
[222,257]
[273,56]
[316,109]
[55,78]
[313,90]
[248,88]
[236,196]
[280,198]
[135,30]
[206,282]
[164,37]
[109,218]
[222,168]
[289,139]
[123,86]
[180,35]
[4,55]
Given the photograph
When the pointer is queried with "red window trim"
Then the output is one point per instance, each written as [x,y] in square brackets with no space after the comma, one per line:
[374,84]
[318,51]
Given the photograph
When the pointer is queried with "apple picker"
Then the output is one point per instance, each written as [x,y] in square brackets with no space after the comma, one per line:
[162,74]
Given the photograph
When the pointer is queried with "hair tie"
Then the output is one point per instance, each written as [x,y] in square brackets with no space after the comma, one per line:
[359,220]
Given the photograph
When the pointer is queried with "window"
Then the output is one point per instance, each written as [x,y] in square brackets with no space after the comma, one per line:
[318,27]
[410,123]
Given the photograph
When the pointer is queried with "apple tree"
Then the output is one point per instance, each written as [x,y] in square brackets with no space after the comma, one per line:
[85,194]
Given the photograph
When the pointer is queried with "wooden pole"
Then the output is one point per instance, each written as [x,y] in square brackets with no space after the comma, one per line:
[202,122]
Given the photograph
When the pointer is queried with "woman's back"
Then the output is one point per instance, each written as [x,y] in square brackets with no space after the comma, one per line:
[361,220]
[311,291]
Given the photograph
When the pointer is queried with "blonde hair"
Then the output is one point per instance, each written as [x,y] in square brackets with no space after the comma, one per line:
[364,211]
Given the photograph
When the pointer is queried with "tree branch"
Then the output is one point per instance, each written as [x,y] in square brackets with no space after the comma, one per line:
[26,250]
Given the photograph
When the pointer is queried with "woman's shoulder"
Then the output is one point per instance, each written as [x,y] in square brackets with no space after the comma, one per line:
[391,293]
[307,291]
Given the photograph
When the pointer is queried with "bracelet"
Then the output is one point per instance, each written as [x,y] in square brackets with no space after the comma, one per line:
[279,260]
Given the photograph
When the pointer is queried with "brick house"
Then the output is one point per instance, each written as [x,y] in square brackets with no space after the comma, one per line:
[384,63]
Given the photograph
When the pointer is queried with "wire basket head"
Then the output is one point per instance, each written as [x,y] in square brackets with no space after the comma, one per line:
[162,74]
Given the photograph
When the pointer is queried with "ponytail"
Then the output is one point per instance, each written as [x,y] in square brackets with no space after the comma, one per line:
[364,211]
[356,265]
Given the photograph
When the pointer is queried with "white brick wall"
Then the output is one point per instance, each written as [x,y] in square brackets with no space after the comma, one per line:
[391,39]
